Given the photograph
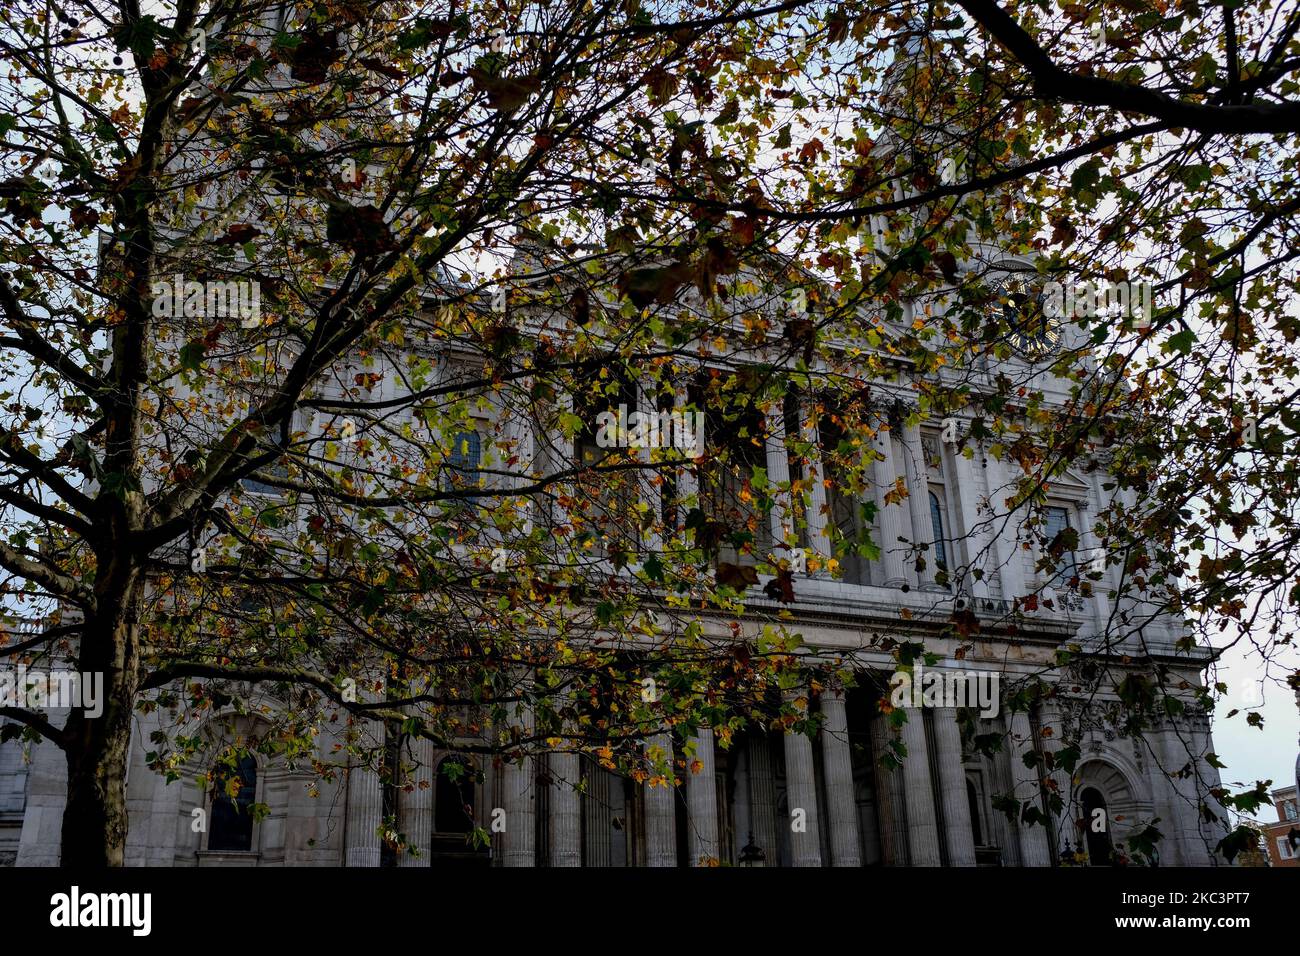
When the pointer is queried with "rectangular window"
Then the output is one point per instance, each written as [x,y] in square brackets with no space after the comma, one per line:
[277,469]
[466,456]
[1057,520]
[462,464]
[846,495]
[737,530]
[604,511]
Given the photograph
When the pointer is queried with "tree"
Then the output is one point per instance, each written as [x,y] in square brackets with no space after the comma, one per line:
[279,288]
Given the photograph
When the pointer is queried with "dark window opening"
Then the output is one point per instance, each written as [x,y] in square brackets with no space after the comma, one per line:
[233,792]
[936,527]
[976,822]
[851,507]
[1057,521]
[453,800]
[608,493]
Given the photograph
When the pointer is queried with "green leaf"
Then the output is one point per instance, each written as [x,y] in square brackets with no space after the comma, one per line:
[192,356]
[1181,341]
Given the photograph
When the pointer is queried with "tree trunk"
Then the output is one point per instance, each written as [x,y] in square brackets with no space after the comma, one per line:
[94,820]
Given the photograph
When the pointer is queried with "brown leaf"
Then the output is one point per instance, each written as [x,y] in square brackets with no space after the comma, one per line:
[359,228]
[311,59]
[781,587]
[743,228]
[947,264]
[580,304]
[737,576]
[379,66]
[504,93]
[654,284]
[237,235]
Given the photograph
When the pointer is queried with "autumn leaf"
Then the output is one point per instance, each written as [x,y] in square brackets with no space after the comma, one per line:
[736,576]
[504,93]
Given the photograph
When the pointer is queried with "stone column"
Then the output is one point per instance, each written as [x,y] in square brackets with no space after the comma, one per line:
[918,500]
[152,807]
[837,769]
[599,846]
[1094,551]
[922,824]
[1175,748]
[977,537]
[998,768]
[702,801]
[687,485]
[1143,605]
[660,811]
[801,789]
[1010,561]
[518,794]
[1210,832]
[565,820]
[649,481]
[784,528]
[1052,735]
[891,515]
[1034,847]
[415,809]
[814,474]
[891,809]
[762,797]
[39,843]
[365,808]
[952,788]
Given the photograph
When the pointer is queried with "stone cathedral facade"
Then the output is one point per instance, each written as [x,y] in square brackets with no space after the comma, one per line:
[775,799]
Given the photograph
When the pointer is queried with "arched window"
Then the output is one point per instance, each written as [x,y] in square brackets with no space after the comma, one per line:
[233,792]
[936,526]
[1096,826]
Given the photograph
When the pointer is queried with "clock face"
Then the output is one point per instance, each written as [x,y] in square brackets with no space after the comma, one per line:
[1034,331]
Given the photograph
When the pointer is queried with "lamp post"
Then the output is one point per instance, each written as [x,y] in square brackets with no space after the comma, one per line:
[751,855]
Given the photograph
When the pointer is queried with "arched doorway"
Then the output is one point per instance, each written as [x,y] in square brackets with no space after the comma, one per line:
[1096,826]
